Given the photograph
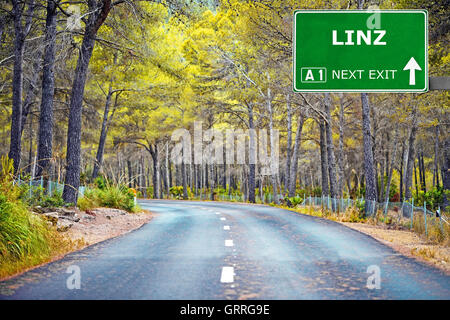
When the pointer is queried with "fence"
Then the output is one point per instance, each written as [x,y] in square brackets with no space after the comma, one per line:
[34,185]
[401,213]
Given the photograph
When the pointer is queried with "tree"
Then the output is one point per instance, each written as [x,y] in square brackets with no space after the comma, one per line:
[369,171]
[98,12]
[48,90]
[21,31]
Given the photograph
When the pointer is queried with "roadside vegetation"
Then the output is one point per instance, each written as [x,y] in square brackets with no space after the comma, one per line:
[104,194]
[26,239]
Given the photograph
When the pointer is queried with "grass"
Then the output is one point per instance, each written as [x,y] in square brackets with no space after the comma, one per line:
[26,240]
[110,196]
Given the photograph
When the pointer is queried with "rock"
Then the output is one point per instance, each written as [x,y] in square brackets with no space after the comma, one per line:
[51,217]
[66,212]
[88,217]
[43,210]
[64,226]
[108,217]
[91,213]
[73,218]
[39,209]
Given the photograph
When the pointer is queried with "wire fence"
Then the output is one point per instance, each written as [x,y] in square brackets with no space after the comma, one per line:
[39,184]
[403,213]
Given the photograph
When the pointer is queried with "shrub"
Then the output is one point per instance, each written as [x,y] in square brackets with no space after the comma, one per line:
[25,238]
[39,197]
[293,201]
[119,197]
[176,191]
[432,197]
[100,182]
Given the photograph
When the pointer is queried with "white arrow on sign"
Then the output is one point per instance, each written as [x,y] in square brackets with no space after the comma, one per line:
[412,66]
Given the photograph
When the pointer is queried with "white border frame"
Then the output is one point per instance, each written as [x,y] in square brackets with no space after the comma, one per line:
[423,11]
[315,68]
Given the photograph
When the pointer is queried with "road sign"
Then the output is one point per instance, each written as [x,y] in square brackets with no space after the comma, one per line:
[360,51]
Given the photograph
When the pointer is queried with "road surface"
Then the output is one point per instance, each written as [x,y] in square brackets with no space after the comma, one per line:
[214,250]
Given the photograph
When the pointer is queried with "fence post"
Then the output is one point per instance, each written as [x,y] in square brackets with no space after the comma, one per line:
[42,182]
[412,213]
[30,188]
[49,187]
[425,216]
[386,208]
[440,220]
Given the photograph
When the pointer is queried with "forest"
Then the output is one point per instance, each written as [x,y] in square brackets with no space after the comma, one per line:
[93,91]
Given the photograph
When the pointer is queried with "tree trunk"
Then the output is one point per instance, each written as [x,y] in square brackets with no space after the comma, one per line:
[415,178]
[183,177]
[330,148]
[156,178]
[381,193]
[436,156]
[341,149]
[411,156]
[167,170]
[369,170]
[446,174]
[423,181]
[20,33]
[402,160]
[32,92]
[103,133]
[48,91]
[323,158]
[211,181]
[252,155]
[295,155]
[99,10]
[289,144]
[273,171]
[130,174]
[391,167]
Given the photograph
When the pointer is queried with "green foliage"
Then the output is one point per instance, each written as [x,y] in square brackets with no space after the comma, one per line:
[25,238]
[100,182]
[37,196]
[360,205]
[149,191]
[176,191]
[432,197]
[293,201]
[119,197]
[221,191]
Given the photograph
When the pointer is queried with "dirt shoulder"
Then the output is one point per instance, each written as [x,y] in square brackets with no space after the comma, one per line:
[407,243]
[104,223]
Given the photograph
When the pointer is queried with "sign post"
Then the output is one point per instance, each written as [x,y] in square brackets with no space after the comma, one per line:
[360,51]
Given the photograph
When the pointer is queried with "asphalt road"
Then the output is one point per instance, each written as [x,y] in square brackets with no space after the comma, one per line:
[213,250]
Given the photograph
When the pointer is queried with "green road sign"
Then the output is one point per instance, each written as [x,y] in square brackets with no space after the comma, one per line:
[360,51]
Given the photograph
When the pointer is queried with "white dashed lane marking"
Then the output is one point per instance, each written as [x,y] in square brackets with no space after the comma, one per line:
[223,219]
[227,275]
[229,243]
[226,227]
